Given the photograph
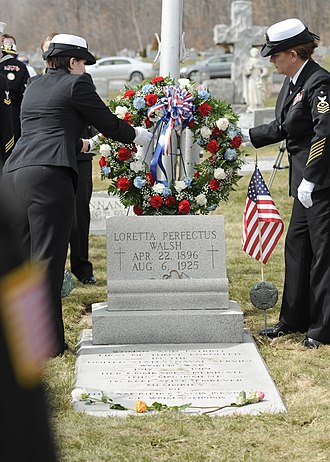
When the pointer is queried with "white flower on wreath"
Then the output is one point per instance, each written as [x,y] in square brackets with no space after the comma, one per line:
[158,188]
[201,200]
[206,132]
[136,166]
[184,83]
[222,123]
[219,174]
[78,394]
[121,111]
[105,149]
[179,185]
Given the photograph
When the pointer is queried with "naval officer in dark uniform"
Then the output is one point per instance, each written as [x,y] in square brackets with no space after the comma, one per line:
[42,169]
[302,119]
[17,76]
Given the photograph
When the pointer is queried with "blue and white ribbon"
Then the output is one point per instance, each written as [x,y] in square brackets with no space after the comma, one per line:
[177,106]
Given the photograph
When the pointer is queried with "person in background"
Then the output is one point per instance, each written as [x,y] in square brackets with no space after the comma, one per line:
[80,264]
[302,119]
[42,170]
[31,70]
[17,75]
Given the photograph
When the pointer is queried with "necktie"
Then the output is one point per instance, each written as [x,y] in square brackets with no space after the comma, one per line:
[291,87]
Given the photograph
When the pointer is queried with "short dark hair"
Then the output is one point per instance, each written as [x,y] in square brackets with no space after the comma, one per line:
[306,50]
[54,62]
[10,37]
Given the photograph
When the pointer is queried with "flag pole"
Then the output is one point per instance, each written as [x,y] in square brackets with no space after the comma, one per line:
[261,255]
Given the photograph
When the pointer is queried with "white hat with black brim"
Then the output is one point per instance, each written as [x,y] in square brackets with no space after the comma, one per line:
[71,46]
[286,34]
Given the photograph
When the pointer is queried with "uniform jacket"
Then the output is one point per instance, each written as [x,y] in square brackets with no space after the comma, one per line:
[302,118]
[6,123]
[55,110]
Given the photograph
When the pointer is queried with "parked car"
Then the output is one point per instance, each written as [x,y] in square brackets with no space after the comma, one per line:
[121,68]
[214,67]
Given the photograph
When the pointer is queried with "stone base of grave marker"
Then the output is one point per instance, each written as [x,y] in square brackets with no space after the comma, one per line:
[167,283]
[201,374]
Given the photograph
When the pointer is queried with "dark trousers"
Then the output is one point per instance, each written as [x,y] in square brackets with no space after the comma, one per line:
[306,296]
[81,267]
[47,196]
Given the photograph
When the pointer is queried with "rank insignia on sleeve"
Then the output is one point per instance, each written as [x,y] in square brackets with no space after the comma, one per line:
[7,100]
[322,105]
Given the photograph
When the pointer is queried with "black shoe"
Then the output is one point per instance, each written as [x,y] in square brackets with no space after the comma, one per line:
[279,329]
[310,343]
[89,280]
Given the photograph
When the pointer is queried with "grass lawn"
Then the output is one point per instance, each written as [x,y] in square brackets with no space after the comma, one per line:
[302,376]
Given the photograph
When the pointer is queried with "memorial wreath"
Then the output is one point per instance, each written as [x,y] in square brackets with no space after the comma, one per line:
[164,108]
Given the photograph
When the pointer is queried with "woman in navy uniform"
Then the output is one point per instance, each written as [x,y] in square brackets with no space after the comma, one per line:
[302,119]
[42,169]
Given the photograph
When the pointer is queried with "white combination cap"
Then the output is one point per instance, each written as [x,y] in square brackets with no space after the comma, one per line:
[286,34]
[69,46]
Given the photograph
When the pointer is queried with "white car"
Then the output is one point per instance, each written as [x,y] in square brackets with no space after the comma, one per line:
[121,68]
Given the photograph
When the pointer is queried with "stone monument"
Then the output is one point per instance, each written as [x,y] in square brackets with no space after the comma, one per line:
[254,81]
[167,283]
[242,35]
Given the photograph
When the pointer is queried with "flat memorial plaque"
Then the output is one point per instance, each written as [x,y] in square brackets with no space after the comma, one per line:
[201,374]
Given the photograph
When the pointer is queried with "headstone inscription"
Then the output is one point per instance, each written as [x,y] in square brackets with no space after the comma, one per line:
[101,206]
[167,283]
[243,36]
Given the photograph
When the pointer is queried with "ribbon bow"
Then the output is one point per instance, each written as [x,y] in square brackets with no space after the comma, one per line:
[177,106]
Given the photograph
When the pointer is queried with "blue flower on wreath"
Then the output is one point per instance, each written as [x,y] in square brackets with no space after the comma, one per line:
[106,170]
[203,94]
[232,133]
[230,155]
[166,192]
[187,181]
[139,102]
[147,88]
[139,182]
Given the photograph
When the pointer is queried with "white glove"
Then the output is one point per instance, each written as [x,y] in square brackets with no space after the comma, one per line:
[305,190]
[142,137]
[245,134]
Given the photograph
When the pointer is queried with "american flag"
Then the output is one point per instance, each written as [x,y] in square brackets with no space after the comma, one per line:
[261,220]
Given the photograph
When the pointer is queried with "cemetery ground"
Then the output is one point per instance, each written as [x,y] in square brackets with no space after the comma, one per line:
[302,376]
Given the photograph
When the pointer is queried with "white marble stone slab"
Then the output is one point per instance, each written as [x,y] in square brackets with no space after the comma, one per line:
[175,374]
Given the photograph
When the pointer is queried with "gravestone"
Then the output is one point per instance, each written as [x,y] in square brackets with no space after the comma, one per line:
[167,283]
[101,206]
[243,36]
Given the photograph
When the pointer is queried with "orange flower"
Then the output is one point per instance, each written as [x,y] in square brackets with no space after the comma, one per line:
[140,406]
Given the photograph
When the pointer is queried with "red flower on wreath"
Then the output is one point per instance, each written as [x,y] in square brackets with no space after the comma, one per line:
[156,201]
[236,142]
[204,109]
[137,210]
[127,118]
[184,207]
[169,201]
[129,94]
[147,122]
[216,132]
[196,175]
[212,146]
[214,184]
[151,99]
[102,162]
[150,179]
[157,79]
[123,184]
[124,154]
